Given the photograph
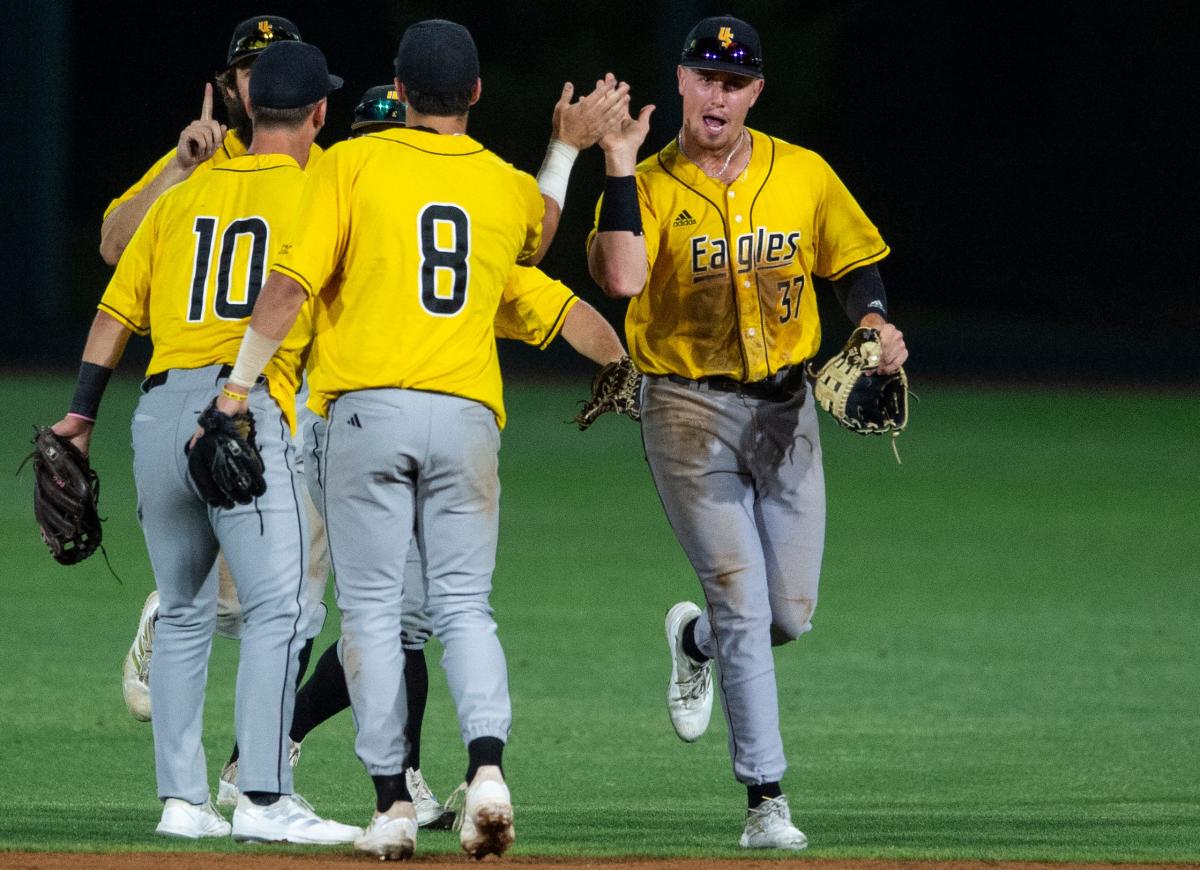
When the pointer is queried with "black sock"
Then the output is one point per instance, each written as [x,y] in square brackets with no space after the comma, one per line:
[390,788]
[262,798]
[757,794]
[305,653]
[323,696]
[483,751]
[689,643]
[416,685]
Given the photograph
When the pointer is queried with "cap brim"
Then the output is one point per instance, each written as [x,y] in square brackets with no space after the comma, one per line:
[722,66]
[358,124]
[335,82]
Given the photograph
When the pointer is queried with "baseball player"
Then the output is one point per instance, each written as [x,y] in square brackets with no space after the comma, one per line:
[189,278]
[716,240]
[203,145]
[422,226]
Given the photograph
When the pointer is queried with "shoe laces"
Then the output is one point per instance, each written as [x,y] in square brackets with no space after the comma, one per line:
[143,647]
[771,813]
[693,682]
[418,788]
[300,802]
[457,803]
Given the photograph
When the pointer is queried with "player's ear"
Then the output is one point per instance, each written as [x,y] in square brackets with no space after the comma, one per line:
[400,93]
[476,92]
[680,72]
[319,113]
[756,89]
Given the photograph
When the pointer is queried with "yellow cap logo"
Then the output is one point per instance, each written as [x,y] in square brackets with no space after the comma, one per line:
[725,35]
[392,95]
[266,29]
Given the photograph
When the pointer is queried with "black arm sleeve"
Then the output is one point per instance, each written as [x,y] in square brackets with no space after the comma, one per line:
[861,292]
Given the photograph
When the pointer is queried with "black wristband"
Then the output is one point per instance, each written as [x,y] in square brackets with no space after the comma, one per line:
[861,293]
[619,210]
[89,390]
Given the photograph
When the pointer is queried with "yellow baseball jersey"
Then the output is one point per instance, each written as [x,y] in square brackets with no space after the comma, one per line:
[408,238]
[193,269]
[533,307]
[730,289]
[230,148]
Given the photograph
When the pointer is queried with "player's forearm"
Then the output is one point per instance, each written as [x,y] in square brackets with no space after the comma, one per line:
[122,222]
[590,335]
[105,345]
[279,303]
[617,262]
[862,295]
[106,341]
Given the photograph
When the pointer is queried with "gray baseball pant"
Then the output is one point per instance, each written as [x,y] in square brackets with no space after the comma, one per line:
[265,543]
[393,458]
[743,488]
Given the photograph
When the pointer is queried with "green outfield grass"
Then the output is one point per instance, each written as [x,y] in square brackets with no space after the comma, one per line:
[1004,663]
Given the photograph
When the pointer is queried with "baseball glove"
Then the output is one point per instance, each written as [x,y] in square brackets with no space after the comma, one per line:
[66,492]
[866,403]
[617,388]
[224,462]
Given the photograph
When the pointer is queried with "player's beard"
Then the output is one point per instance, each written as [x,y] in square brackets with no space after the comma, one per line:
[239,121]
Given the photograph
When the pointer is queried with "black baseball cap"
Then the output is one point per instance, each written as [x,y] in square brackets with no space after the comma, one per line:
[255,34]
[288,75]
[724,43]
[379,105]
[437,57]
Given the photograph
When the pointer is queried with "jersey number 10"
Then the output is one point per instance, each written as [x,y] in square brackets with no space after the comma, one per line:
[206,229]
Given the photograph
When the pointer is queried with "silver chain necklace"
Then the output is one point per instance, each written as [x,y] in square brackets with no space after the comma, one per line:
[725,166]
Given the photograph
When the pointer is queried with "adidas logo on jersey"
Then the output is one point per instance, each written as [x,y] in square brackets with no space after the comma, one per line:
[684,219]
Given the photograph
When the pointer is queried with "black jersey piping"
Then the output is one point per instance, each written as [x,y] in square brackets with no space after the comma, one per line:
[480,150]
[762,324]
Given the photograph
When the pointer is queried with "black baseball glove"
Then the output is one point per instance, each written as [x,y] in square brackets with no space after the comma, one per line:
[617,388]
[66,493]
[863,402]
[224,462]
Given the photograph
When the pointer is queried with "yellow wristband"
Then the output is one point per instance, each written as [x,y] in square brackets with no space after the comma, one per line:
[237,397]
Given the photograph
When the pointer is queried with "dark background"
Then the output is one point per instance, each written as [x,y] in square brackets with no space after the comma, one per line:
[1033,165]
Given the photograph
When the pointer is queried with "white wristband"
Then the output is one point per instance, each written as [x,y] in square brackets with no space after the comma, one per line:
[255,353]
[556,170]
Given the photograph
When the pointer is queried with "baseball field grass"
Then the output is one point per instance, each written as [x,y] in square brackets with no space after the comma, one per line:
[1004,663]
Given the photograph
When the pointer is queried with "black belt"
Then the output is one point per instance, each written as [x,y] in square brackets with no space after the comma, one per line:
[780,387]
[160,378]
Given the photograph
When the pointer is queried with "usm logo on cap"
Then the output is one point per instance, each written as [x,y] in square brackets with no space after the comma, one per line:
[392,95]
[266,29]
[725,35]
[684,219]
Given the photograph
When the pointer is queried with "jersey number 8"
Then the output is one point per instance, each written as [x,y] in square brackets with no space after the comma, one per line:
[453,258]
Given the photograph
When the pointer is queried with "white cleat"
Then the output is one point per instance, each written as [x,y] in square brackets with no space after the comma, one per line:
[430,813]
[135,672]
[392,838]
[769,826]
[486,821]
[227,787]
[289,820]
[690,692]
[191,821]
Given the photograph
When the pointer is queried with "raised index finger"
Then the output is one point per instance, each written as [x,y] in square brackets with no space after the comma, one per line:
[206,106]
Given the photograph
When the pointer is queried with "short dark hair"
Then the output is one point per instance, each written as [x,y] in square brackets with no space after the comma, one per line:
[264,117]
[454,104]
[227,78]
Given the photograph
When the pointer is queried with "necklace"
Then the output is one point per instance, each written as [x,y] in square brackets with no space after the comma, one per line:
[724,166]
